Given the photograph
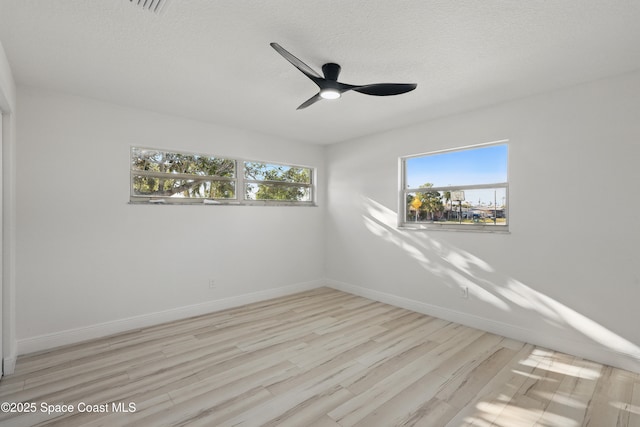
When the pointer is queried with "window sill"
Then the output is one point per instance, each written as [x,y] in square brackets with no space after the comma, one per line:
[466,228]
[221,203]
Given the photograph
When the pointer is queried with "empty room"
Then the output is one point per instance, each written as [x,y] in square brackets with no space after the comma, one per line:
[330,213]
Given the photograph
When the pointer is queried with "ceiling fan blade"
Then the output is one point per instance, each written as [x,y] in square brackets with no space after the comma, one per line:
[385,89]
[331,88]
[306,70]
[315,98]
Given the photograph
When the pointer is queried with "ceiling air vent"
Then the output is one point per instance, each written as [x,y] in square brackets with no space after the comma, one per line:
[151,5]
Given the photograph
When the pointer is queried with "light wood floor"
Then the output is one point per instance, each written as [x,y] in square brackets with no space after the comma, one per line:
[320,358]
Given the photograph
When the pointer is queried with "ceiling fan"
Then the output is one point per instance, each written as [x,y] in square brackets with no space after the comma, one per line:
[331,88]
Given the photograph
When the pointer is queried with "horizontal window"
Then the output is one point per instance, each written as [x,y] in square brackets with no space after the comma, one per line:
[145,185]
[159,176]
[265,181]
[278,173]
[457,208]
[458,189]
[143,159]
[277,192]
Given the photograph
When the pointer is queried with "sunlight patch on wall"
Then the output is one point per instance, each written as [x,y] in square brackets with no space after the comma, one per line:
[380,212]
[458,268]
[551,309]
[466,260]
[526,297]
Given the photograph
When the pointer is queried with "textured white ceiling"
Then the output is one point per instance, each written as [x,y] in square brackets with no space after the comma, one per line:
[211,60]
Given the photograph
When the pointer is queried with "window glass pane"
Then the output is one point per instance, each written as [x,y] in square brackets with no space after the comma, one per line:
[478,206]
[286,192]
[192,164]
[484,165]
[271,172]
[174,176]
[182,188]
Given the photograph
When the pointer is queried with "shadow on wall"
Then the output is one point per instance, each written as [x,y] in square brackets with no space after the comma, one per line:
[459,268]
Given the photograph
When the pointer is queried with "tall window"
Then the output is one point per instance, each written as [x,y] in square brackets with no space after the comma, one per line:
[159,176]
[465,188]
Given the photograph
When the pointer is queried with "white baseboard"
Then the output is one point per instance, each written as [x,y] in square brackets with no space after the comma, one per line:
[9,365]
[576,347]
[71,336]
[588,350]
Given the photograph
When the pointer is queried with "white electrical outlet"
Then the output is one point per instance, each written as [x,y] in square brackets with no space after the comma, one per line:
[464,292]
[212,284]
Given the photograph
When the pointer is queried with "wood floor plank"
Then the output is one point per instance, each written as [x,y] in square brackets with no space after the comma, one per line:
[615,389]
[569,403]
[312,409]
[321,358]
[386,367]
[464,387]
[278,405]
[358,408]
[403,407]
[310,373]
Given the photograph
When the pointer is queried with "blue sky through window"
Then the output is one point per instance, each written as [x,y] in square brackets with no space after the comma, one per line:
[483,165]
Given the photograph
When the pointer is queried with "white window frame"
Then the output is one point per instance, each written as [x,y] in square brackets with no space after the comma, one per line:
[239,181]
[242,181]
[435,225]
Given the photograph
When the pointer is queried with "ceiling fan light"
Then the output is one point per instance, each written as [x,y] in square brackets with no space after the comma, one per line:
[330,94]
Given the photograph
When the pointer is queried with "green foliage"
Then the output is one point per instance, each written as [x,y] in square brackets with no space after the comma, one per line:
[204,170]
[192,164]
[278,182]
[447,198]
[431,201]
[166,174]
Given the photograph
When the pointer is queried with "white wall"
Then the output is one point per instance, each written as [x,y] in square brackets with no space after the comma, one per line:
[7,85]
[8,345]
[89,263]
[568,274]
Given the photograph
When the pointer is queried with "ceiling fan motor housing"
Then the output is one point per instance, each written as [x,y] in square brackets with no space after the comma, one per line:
[331,71]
